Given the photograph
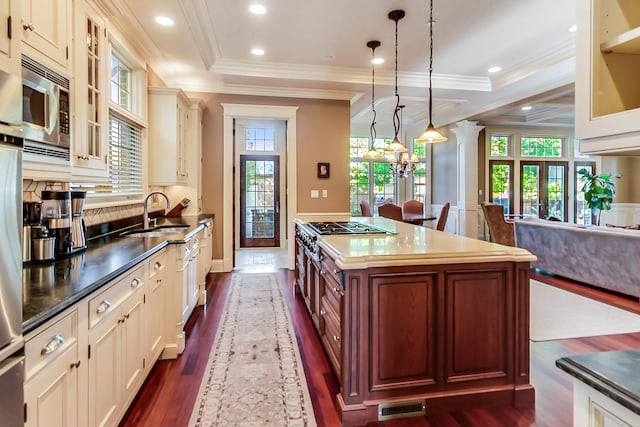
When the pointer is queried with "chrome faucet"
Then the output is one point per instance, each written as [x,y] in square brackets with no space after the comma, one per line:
[145,214]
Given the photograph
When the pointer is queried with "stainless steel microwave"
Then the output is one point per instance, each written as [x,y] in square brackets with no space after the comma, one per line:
[46,117]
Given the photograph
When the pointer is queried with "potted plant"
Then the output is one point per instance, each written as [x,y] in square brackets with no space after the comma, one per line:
[599,191]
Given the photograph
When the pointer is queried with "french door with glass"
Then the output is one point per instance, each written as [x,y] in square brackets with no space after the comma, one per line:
[543,189]
[259,201]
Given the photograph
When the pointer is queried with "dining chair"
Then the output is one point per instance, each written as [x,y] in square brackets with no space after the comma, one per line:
[391,211]
[415,208]
[501,230]
[365,209]
[442,218]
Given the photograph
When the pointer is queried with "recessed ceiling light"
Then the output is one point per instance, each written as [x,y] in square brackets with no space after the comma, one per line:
[257,9]
[164,21]
[257,51]
[377,61]
[527,108]
[573,28]
[494,69]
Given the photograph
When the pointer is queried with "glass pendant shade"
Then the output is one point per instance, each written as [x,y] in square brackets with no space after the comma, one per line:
[431,135]
[396,147]
[372,154]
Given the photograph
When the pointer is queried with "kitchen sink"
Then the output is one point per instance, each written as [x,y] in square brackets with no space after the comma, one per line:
[169,228]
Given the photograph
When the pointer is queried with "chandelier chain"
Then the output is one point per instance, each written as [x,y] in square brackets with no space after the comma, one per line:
[396,117]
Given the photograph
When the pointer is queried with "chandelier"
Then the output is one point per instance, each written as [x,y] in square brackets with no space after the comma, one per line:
[373,153]
[431,134]
[400,162]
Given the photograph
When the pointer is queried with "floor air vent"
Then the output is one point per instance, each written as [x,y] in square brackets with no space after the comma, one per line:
[393,411]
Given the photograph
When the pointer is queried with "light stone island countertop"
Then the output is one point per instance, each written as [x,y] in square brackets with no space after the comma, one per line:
[410,245]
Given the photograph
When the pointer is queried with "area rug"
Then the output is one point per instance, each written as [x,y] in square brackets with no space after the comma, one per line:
[559,314]
[254,376]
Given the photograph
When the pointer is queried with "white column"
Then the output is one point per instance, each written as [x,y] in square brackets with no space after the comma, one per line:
[467,138]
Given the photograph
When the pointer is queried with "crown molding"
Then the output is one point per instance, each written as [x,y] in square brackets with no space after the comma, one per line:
[285,92]
[197,15]
[249,68]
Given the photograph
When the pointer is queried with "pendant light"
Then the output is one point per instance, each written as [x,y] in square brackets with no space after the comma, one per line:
[373,153]
[396,146]
[431,134]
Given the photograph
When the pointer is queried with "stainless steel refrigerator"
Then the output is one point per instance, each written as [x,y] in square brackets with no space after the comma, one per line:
[11,339]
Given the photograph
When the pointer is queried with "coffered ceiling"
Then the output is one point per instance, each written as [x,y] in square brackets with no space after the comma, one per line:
[317,49]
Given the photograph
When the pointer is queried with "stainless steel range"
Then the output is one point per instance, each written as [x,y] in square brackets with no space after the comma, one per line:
[307,234]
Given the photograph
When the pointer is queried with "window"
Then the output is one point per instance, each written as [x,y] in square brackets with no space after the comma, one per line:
[541,147]
[499,145]
[260,139]
[120,83]
[374,181]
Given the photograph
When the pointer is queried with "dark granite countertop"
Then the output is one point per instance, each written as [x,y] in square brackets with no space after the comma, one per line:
[49,288]
[616,374]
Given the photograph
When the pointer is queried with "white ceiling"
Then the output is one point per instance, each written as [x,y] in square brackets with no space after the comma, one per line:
[317,49]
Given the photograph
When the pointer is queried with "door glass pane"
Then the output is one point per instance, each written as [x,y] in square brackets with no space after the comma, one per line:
[556,191]
[530,194]
[583,213]
[500,179]
[384,186]
[260,201]
[359,185]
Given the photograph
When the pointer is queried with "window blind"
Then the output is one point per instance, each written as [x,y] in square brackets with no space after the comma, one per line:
[125,155]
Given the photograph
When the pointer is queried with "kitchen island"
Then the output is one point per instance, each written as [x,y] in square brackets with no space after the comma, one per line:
[417,321]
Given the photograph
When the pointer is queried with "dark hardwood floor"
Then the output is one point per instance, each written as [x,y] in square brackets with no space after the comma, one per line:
[168,395]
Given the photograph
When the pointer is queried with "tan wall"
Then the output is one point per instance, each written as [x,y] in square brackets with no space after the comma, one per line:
[322,136]
[627,188]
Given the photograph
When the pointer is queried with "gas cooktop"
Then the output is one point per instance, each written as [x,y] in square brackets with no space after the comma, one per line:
[346,227]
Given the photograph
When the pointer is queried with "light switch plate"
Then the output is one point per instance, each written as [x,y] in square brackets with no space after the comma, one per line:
[324,193]
[314,194]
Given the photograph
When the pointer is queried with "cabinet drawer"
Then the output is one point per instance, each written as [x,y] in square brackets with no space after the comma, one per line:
[331,338]
[51,342]
[102,305]
[333,294]
[330,269]
[157,264]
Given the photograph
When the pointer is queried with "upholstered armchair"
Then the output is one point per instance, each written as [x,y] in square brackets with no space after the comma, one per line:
[500,229]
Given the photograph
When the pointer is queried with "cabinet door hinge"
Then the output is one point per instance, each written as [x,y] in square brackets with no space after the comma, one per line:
[25,412]
[67,52]
[89,355]
[144,298]
[144,363]
[9,27]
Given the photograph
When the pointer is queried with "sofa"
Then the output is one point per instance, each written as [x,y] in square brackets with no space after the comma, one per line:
[603,257]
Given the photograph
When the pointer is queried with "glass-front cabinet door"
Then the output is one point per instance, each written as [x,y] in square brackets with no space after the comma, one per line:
[89,142]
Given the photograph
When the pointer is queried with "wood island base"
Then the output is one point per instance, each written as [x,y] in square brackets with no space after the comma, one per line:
[455,335]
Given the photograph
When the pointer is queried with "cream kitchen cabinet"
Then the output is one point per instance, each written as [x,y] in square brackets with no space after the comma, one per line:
[9,40]
[116,347]
[46,30]
[155,306]
[168,144]
[607,90]
[194,276]
[204,261]
[52,362]
[89,148]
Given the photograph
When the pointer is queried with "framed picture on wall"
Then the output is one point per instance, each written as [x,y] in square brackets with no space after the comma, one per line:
[323,170]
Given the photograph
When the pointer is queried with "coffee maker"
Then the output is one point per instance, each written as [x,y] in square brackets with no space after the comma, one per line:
[31,221]
[78,237]
[56,216]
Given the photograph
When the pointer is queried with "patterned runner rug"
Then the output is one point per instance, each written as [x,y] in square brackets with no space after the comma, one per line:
[254,376]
